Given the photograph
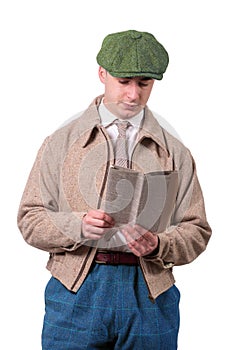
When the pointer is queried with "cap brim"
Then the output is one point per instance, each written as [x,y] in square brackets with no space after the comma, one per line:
[136,74]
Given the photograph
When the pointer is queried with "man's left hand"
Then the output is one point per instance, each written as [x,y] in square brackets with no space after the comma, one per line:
[140,241]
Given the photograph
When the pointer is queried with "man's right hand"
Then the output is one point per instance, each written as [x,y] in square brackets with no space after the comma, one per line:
[96,224]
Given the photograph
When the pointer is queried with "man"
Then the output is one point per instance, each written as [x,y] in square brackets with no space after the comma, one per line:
[115,293]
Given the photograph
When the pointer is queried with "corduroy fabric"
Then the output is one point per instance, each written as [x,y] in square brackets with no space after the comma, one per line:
[110,311]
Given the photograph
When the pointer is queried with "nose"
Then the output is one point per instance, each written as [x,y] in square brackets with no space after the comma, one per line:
[133,91]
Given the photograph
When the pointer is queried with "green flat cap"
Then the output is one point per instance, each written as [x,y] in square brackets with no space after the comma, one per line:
[132,53]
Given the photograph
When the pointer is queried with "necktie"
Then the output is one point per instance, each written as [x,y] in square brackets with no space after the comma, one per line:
[121,154]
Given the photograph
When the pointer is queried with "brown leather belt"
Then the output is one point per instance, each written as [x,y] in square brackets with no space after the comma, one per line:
[116,258]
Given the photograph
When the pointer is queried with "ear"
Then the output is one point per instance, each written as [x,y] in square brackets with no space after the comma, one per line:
[102,74]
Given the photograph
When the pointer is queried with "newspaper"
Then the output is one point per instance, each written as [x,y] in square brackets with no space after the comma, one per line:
[133,197]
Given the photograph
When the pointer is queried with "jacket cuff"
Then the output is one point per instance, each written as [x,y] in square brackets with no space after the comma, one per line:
[73,229]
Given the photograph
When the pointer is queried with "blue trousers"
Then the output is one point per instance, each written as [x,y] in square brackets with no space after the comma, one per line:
[111,310]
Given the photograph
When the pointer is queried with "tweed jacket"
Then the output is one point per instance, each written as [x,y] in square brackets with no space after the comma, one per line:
[68,179]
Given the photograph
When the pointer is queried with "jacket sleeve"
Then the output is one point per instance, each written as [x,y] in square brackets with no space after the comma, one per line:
[39,219]
[190,232]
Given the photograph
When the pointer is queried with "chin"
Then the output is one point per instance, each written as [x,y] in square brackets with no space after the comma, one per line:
[126,112]
[127,115]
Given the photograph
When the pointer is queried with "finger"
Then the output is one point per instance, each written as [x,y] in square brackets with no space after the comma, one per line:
[100,231]
[151,238]
[140,249]
[99,222]
[130,233]
[134,250]
[101,215]
[145,234]
[92,232]
[96,222]
[140,244]
[136,233]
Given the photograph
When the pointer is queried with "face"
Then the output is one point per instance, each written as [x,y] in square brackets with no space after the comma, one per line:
[125,97]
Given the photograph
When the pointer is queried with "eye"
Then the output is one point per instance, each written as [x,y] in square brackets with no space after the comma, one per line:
[124,81]
[141,84]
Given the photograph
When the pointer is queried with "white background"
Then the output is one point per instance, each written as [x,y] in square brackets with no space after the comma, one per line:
[48,73]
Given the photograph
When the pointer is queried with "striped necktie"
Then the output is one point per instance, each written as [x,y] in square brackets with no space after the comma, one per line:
[121,153]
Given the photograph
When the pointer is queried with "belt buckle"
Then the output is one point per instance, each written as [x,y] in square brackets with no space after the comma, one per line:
[100,262]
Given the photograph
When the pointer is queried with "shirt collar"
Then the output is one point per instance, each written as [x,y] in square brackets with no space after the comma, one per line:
[151,128]
[107,117]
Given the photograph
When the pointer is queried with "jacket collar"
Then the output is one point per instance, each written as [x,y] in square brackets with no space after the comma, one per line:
[150,128]
[90,120]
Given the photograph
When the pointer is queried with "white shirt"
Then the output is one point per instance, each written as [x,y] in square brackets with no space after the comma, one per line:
[118,242]
[107,119]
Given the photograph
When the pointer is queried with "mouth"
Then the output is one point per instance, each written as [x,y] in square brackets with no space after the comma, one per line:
[130,106]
